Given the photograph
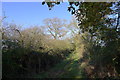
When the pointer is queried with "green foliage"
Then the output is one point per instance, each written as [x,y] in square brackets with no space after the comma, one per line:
[97,40]
[68,68]
[95,44]
[32,52]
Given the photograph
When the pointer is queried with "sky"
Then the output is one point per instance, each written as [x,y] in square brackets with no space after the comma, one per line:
[33,13]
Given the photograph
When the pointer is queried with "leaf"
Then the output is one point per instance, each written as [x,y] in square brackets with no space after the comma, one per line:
[76,3]
[58,3]
[71,3]
[69,9]
[73,12]
[43,3]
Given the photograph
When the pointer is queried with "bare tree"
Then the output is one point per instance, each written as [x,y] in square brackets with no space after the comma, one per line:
[56,27]
[73,26]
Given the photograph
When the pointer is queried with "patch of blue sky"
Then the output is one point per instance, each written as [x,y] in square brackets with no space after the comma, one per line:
[33,13]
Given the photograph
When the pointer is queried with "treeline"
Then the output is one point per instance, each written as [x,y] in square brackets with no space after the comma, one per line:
[31,51]
[98,35]
[95,42]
